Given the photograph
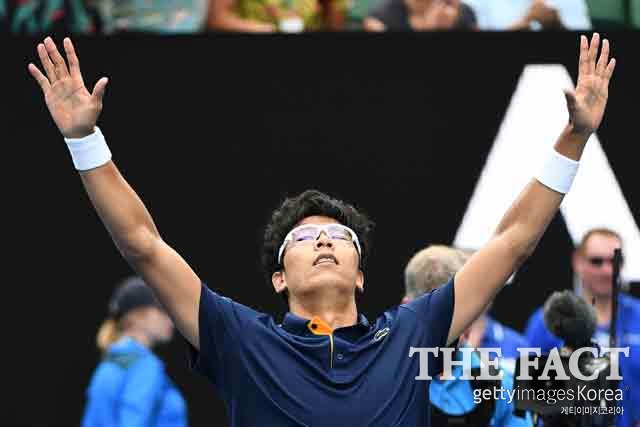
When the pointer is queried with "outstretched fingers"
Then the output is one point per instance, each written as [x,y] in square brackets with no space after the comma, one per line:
[583,63]
[591,64]
[57,59]
[49,69]
[593,52]
[604,58]
[99,89]
[74,63]
[608,72]
[40,78]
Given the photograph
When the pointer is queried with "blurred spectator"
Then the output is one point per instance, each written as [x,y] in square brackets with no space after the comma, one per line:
[130,386]
[593,267]
[46,16]
[420,15]
[154,16]
[357,12]
[277,15]
[531,14]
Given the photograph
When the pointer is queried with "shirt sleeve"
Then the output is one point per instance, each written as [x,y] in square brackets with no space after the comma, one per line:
[221,322]
[141,393]
[435,312]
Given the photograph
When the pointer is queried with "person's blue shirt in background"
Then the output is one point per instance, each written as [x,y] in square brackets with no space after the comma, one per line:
[130,388]
[455,397]
[497,335]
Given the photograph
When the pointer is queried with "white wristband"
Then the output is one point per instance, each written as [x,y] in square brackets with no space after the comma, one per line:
[557,172]
[89,152]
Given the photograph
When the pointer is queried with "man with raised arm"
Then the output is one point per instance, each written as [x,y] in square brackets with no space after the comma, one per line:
[325,365]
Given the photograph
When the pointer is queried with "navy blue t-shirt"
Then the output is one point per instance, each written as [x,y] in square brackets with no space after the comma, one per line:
[300,373]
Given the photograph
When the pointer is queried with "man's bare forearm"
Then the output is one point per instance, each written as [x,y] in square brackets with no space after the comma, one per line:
[528,217]
[75,111]
[517,235]
[121,210]
[525,222]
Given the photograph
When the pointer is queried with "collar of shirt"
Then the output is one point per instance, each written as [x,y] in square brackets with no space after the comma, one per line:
[297,325]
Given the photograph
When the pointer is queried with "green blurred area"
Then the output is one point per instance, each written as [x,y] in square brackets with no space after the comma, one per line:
[614,14]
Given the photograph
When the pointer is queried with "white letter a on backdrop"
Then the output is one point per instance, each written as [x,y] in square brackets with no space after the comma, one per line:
[535,117]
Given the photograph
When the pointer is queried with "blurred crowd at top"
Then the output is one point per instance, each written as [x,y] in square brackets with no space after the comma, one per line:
[31,17]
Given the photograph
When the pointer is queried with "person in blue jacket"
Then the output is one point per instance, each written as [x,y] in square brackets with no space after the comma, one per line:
[592,264]
[130,387]
[452,401]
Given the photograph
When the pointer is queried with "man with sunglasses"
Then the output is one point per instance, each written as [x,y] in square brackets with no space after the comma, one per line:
[326,364]
[592,263]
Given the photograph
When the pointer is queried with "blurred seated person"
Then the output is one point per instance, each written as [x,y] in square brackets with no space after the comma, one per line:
[420,15]
[34,17]
[512,15]
[152,16]
[452,400]
[291,16]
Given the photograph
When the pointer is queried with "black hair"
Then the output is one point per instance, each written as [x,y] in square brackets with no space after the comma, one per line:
[310,203]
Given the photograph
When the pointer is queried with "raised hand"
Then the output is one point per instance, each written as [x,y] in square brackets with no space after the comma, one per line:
[74,110]
[586,106]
